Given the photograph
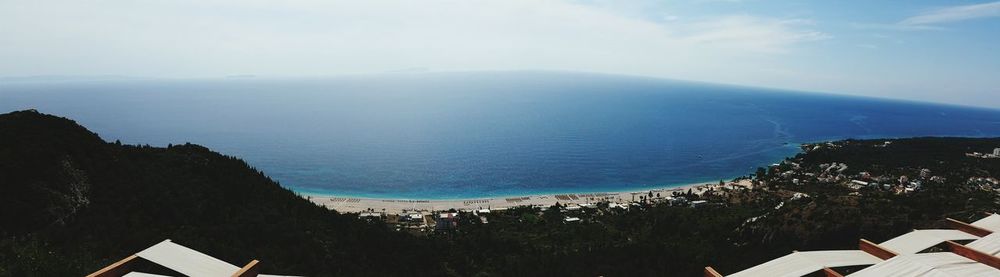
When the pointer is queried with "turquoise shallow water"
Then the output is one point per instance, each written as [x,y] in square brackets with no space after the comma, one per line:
[461,135]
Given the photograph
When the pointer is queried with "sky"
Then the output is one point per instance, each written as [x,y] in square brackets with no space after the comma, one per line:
[939,51]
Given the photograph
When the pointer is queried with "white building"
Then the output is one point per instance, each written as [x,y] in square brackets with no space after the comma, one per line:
[698,203]
[366,214]
[996,152]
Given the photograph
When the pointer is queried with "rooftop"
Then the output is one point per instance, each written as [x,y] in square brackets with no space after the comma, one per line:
[180,259]
[908,255]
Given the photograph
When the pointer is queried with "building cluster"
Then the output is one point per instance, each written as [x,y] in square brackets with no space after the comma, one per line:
[792,172]
[425,220]
[898,184]
[837,173]
[985,183]
[809,147]
[994,155]
[422,220]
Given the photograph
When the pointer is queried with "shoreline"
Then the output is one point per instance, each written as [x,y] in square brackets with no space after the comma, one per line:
[346,204]
[513,195]
[403,205]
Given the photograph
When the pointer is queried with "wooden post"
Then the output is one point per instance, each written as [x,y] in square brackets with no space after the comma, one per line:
[968,228]
[249,270]
[710,272]
[974,254]
[830,273]
[875,250]
[117,269]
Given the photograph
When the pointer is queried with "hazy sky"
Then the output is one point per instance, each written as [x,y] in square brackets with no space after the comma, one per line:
[945,51]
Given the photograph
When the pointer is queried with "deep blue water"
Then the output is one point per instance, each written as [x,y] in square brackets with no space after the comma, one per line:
[462,135]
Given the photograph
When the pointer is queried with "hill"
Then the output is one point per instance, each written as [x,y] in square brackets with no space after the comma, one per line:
[72,203]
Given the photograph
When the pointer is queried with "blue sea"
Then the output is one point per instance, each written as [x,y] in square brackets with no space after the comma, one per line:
[463,135]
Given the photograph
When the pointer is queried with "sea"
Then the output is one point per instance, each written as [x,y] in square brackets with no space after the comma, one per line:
[483,134]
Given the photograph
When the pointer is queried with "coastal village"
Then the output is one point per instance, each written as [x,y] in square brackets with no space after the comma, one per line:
[443,215]
[439,215]
[994,155]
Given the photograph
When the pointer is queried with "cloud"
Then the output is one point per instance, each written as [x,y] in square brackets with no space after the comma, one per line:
[895,27]
[753,33]
[932,19]
[314,37]
[953,14]
[719,1]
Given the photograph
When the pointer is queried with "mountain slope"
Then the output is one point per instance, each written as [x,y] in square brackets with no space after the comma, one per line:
[71,203]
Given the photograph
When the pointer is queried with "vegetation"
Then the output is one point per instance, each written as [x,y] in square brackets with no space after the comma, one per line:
[71,203]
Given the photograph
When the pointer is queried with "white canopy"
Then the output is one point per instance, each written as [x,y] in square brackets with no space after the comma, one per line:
[989,244]
[183,260]
[802,263]
[991,223]
[186,260]
[140,274]
[920,240]
[928,264]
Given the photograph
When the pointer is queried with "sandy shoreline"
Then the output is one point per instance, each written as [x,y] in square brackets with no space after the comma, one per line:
[400,206]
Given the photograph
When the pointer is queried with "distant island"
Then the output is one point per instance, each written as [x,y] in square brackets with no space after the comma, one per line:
[72,203]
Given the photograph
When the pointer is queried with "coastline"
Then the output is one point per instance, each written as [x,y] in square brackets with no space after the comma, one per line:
[403,206]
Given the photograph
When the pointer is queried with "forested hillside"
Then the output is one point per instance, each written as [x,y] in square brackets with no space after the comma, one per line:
[71,203]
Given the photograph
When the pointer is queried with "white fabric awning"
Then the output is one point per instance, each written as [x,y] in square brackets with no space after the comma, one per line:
[140,274]
[187,261]
[989,244]
[928,264]
[801,263]
[919,240]
[991,223]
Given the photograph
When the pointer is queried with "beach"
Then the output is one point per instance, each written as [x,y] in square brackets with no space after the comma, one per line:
[402,206]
